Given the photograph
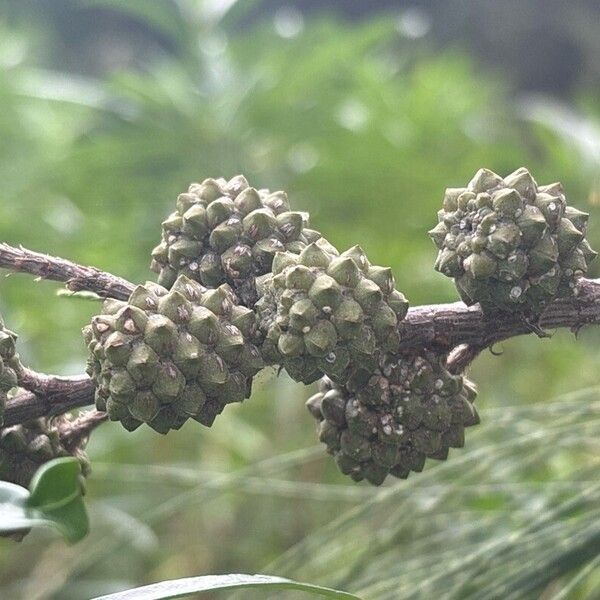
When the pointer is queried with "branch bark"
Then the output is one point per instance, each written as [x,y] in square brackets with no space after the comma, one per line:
[450,328]
[456,329]
[52,386]
[61,395]
[76,277]
[443,327]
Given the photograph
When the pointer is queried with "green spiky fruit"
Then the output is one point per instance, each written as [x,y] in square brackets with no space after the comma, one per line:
[26,447]
[9,364]
[168,355]
[228,232]
[328,313]
[509,243]
[392,419]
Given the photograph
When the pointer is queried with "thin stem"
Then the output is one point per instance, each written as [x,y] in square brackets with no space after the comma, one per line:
[76,277]
[74,433]
[461,357]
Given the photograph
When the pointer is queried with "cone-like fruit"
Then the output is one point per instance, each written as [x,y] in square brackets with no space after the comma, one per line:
[228,232]
[168,355]
[509,243]
[24,448]
[392,419]
[9,364]
[328,313]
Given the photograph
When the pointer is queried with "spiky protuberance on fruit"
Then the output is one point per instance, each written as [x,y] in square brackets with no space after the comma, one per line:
[328,313]
[26,447]
[389,421]
[168,355]
[509,243]
[9,364]
[228,232]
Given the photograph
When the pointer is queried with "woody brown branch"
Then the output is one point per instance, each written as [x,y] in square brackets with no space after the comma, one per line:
[440,327]
[62,395]
[443,327]
[76,277]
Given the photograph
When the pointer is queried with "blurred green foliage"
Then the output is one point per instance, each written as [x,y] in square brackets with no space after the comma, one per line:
[364,128]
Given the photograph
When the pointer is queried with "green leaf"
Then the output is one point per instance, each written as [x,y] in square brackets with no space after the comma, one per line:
[71,520]
[55,484]
[56,495]
[13,512]
[54,501]
[17,517]
[177,588]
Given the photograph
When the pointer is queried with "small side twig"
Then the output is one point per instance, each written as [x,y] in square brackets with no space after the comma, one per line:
[74,433]
[76,277]
[461,357]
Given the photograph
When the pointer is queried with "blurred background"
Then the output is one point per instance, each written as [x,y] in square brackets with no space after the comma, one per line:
[363,112]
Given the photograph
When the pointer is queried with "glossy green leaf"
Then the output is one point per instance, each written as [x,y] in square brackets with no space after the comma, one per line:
[17,518]
[56,495]
[55,484]
[54,501]
[14,517]
[177,588]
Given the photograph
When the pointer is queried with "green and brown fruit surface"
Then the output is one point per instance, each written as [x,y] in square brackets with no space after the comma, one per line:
[9,364]
[26,447]
[510,243]
[228,232]
[408,409]
[168,355]
[323,312]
